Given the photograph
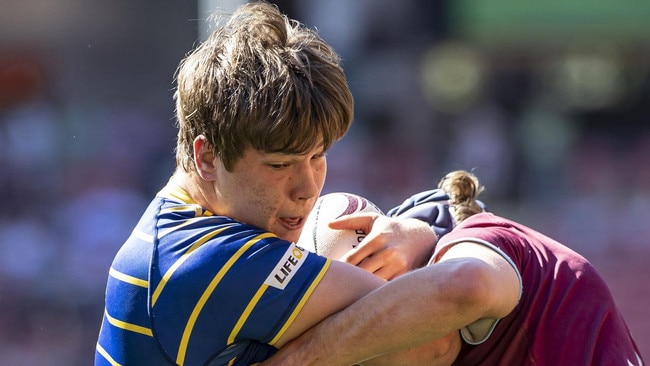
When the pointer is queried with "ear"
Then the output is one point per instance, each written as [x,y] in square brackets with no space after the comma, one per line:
[204,158]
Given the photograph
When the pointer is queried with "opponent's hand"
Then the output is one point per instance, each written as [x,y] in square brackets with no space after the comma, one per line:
[392,247]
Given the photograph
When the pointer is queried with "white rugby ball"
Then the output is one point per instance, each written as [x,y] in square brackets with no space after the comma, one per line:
[319,238]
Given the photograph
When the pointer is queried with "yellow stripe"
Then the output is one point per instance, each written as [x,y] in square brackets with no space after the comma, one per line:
[179,208]
[189,222]
[247,312]
[196,209]
[302,302]
[180,358]
[181,260]
[173,191]
[108,357]
[128,326]
[128,279]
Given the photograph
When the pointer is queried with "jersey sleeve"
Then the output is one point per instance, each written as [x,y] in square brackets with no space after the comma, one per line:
[232,284]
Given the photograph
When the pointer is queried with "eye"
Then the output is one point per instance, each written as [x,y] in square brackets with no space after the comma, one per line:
[319,156]
[278,165]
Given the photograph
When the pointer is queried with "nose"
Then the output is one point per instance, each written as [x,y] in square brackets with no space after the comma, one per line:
[309,181]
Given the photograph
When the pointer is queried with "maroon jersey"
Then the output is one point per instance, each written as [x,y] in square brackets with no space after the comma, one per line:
[566,314]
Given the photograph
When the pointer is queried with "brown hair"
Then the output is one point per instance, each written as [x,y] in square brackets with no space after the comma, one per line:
[463,188]
[261,81]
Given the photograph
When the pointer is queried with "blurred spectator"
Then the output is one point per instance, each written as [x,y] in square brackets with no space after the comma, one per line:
[558,134]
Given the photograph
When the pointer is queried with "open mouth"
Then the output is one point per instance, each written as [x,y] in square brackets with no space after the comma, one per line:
[292,223]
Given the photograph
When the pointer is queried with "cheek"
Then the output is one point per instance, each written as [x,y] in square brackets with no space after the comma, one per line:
[320,181]
[321,172]
[264,200]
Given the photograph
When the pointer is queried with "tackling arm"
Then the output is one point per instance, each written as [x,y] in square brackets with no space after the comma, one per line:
[418,307]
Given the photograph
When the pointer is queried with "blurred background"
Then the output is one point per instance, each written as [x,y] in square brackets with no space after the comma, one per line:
[547,102]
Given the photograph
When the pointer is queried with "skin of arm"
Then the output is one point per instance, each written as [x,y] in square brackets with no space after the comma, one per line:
[343,284]
[439,352]
[471,282]
[330,297]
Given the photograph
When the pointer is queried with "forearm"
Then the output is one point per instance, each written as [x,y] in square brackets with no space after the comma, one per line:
[440,352]
[402,314]
[416,308]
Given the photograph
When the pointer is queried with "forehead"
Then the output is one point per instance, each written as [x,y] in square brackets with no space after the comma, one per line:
[252,153]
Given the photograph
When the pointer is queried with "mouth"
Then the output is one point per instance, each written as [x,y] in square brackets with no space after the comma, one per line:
[292,223]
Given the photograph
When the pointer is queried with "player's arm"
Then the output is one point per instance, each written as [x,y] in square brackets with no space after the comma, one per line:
[440,352]
[341,286]
[413,309]
[502,282]
[471,282]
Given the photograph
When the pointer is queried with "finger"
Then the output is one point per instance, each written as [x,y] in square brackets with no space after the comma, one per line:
[354,221]
[368,247]
[372,264]
[387,273]
[380,266]
[388,264]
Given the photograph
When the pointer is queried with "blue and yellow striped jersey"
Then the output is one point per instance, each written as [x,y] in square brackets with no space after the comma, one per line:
[192,288]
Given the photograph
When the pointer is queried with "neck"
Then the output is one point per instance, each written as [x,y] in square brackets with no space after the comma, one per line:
[200,190]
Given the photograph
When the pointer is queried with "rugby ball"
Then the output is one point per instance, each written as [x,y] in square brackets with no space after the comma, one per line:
[319,238]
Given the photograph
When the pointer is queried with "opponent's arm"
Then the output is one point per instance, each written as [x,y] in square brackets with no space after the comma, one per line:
[418,307]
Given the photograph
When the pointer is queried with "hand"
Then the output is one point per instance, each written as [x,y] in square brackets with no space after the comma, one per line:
[392,247]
